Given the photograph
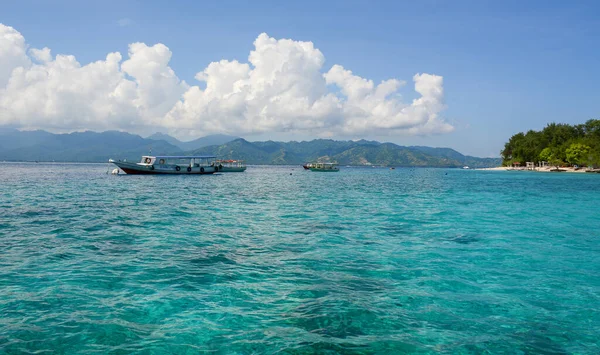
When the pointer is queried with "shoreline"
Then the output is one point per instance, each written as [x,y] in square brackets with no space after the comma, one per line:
[541,170]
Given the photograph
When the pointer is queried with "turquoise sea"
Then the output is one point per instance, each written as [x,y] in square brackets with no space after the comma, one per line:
[279,260]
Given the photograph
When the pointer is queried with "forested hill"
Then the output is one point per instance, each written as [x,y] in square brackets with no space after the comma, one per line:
[78,147]
[99,147]
[214,139]
[344,152]
[559,144]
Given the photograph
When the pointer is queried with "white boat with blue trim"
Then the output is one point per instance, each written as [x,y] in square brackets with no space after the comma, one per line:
[170,164]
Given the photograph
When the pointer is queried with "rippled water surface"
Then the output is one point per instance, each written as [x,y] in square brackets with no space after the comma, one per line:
[279,260]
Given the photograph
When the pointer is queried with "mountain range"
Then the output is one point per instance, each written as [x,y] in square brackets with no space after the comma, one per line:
[215,139]
[99,147]
[361,152]
[78,147]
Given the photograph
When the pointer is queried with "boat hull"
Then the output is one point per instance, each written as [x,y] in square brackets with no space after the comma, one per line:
[142,169]
[325,170]
[227,169]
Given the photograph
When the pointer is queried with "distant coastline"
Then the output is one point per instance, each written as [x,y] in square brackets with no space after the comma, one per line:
[293,165]
[94,147]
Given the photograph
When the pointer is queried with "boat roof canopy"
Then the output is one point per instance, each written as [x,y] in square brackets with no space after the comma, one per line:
[182,156]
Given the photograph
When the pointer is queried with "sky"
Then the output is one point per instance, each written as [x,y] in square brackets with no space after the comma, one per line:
[460,74]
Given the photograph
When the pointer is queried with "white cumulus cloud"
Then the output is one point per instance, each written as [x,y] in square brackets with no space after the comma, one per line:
[41,55]
[284,87]
[13,52]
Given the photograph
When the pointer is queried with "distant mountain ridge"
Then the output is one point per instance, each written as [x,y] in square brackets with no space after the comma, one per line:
[214,139]
[79,146]
[99,147]
[361,152]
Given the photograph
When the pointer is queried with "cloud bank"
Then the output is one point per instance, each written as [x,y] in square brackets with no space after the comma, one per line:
[284,87]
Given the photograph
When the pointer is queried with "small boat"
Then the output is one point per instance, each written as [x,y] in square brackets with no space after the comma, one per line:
[324,167]
[466,167]
[307,166]
[169,164]
[231,166]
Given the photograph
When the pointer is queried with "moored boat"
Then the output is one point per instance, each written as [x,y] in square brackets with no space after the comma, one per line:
[231,166]
[170,164]
[324,167]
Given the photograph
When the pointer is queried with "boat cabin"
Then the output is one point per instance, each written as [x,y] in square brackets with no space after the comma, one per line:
[324,167]
[165,161]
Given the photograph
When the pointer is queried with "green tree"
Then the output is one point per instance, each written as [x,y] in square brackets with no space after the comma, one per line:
[578,154]
[594,159]
[552,156]
[556,162]
[592,128]
[510,151]
[546,154]
[557,134]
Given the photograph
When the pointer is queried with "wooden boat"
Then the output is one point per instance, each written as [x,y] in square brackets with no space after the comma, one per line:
[324,167]
[231,166]
[170,164]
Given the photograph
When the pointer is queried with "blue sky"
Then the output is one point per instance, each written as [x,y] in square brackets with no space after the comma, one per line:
[508,66]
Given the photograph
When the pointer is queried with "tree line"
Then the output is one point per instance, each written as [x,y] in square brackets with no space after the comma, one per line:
[558,144]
